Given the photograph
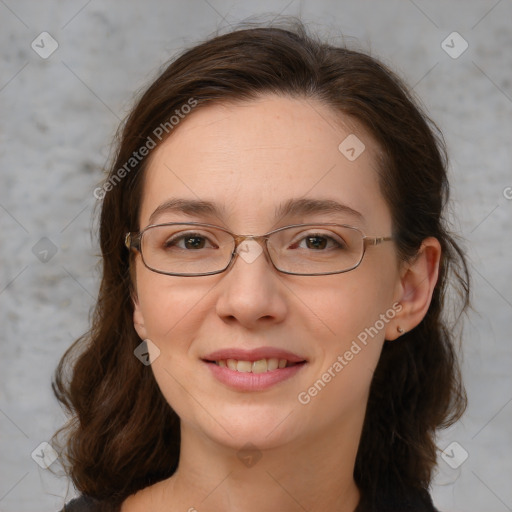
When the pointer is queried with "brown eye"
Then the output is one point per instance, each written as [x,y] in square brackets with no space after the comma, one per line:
[319,242]
[190,241]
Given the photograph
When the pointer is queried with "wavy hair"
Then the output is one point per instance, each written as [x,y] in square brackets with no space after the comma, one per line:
[123,435]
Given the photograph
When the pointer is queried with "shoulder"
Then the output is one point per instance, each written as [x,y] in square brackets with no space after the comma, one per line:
[84,504]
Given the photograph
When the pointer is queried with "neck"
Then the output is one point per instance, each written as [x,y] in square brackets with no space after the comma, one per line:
[314,474]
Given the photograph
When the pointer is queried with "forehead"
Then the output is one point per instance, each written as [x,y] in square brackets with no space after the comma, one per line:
[252,157]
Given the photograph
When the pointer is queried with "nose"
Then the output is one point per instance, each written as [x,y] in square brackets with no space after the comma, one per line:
[251,291]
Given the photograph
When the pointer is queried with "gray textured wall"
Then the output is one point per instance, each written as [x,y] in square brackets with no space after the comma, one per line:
[59,114]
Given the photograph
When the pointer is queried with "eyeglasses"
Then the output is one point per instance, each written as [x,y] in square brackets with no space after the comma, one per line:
[196,249]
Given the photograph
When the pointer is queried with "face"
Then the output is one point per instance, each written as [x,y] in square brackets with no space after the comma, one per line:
[249,158]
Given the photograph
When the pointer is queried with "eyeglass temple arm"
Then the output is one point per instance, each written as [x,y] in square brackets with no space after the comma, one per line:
[377,240]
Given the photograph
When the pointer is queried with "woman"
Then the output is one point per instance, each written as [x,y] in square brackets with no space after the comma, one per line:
[305,369]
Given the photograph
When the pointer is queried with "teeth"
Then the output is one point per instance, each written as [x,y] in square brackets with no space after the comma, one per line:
[244,366]
[260,366]
[273,364]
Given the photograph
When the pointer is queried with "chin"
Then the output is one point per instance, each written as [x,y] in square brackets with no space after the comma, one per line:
[262,426]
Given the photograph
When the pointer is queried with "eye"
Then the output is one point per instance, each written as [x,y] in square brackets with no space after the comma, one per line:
[192,241]
[319,242]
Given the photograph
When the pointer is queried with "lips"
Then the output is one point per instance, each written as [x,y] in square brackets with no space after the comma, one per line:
[253,370]
[244,360]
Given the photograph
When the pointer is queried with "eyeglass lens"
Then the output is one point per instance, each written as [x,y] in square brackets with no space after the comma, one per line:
[308,249]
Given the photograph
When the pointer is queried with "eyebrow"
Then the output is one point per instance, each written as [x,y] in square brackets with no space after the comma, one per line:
[291,208]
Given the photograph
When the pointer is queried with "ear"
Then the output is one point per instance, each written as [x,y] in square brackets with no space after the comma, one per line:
[418,279]
[138,318]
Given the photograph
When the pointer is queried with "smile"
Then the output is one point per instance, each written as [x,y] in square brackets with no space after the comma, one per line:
[246,379]
[259,366]
[257,369]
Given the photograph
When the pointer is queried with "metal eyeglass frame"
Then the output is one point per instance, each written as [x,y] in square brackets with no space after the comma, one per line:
[133,241]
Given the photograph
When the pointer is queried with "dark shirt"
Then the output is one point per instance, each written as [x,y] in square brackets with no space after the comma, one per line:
[415,502]
[81,504]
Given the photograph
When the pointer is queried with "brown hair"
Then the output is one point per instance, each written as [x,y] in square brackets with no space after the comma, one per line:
[123,436]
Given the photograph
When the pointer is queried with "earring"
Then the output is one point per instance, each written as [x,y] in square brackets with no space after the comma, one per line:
[400,330]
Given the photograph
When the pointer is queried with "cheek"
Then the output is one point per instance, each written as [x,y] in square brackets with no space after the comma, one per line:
[356,308]
[355,301]
[166,303]
[348,350]
[172,311]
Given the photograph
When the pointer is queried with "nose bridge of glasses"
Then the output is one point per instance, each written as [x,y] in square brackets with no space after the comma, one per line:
[241,238]
[248,251]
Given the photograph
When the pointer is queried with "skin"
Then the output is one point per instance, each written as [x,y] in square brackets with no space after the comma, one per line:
[249,157]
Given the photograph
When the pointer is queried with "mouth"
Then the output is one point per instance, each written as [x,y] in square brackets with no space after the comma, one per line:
[263,365]
[257,369]
[250,376]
